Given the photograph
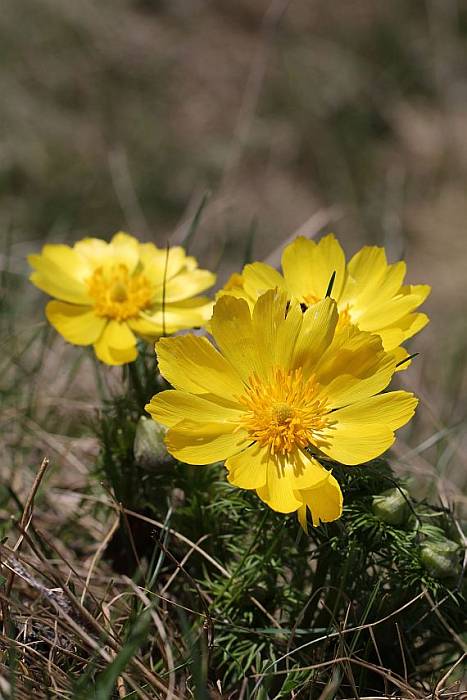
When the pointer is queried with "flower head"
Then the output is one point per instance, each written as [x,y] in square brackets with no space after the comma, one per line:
[106,294]
[369,292]
[282,391]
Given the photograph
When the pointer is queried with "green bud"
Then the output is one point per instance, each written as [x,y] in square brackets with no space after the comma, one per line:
[391,507]
[440,558]
[149,448]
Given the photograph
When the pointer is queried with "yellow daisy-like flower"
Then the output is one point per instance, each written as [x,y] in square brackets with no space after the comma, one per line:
[109,293]
[369,292]
[282,390]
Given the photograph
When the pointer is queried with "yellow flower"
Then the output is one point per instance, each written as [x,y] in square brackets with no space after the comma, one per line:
[109,293]
[369,292]
[282,390]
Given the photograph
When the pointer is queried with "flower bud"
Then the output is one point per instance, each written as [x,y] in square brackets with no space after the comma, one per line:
[149,448]
[391,506]
[440,558]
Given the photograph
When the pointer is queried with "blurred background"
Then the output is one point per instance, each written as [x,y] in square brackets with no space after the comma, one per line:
[295,116]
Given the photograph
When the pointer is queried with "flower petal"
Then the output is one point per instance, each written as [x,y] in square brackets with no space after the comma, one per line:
[324,502]
[378,316]
[252,466]
[185,285]
[420,291]
[276,324]
[354,367]
[318,328]
[68,261]
[258,277]
[117,344]
[171,407]
[365,430]
[278,491]
[77,324]
[232,329]
[52,279]
[145,327]
[161,263]
[124,249]
[405,328]
[305,472]
[394,409]
[248,469]
[176,316]
[366,271]
[354,443]
[93,250]
[191,363]
[308,267]
[203,443]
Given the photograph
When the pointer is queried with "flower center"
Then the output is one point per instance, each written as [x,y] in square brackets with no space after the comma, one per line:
[284,413]
[311,299]
[345,317]
[117,294]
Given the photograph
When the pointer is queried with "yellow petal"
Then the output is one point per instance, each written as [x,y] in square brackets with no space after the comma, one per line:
[355,443]
[185,285]
[235,287]
[204,443]
[371,281]
[176,316]
[191,363]
[354,367]
[145,327]
[405,328]
[161,263]
[366,271]
[53,280]
[278,491]
[319,324]
[286,475]
[93,250]
[252,466]
[393,409]
[68,261]
[234,283]
[77,324]
[391,337]
[420,291]
[304,471]
[276,324]
[117,344]
[378,316]
[172,407]
[308,267]
[231,327]
[119,335]
[324,502]
[124,249]
[248,469]
[401,357]
[365,430]
[259,277]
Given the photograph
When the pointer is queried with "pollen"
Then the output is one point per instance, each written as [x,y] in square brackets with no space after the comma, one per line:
[117,294]
[285,412]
